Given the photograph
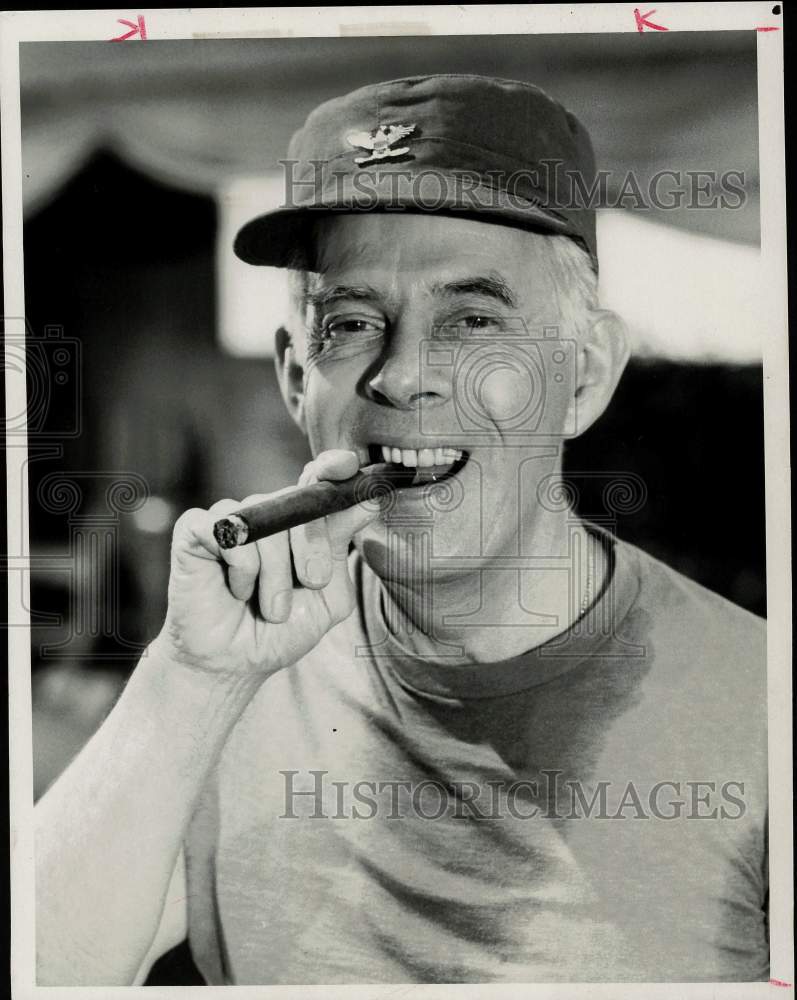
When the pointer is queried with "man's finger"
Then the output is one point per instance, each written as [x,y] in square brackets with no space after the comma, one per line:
[194,528]
[275,583]
[312,553]
[345,524]
[243,562]
[335,464]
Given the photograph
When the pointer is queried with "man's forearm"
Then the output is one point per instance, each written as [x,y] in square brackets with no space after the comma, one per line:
[108,832]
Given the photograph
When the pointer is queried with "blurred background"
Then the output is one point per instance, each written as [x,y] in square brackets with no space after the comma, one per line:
[151,386]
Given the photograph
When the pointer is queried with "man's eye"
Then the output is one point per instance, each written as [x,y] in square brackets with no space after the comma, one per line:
[343,327]
[478,322]
[472,322]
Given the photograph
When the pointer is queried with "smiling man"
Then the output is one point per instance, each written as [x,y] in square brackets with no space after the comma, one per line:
[422,344]
[486,742]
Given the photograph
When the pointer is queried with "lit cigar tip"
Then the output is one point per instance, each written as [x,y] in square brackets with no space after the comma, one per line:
[230,531]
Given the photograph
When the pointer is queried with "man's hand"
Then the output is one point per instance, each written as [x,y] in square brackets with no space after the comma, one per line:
[235,612]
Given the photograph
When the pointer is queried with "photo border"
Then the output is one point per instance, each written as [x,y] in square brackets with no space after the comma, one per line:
[207,23]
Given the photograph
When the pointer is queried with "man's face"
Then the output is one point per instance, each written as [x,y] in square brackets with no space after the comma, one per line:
[436,342]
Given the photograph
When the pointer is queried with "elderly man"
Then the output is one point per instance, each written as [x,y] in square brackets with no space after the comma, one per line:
[489,743]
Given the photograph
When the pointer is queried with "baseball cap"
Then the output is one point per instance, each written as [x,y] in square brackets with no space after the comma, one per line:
[493,149]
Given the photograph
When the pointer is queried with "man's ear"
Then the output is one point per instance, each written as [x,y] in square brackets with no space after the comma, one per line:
[290,375]
[602,355]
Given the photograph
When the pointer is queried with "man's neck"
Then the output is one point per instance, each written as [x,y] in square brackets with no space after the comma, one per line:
[503,608]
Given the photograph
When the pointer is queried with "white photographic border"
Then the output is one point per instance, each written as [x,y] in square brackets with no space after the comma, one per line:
[467,20]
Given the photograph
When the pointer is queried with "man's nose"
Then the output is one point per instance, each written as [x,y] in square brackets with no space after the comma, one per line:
[403,377]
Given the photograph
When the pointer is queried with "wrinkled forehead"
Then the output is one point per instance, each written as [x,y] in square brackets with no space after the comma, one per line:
[402,251]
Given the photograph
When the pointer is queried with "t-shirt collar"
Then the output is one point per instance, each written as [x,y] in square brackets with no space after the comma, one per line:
[594,634]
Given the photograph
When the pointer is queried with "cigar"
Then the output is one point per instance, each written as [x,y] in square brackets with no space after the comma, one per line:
[306,503]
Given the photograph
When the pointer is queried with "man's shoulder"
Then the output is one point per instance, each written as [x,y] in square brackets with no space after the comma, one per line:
[676,601]
[703,671]
[703,653]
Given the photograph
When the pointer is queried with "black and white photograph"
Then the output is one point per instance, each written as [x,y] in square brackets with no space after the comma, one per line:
[398,550]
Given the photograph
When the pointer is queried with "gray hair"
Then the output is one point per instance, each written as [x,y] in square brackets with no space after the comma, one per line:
[575,282]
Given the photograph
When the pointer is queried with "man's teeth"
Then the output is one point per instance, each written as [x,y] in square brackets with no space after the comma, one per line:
[422,457]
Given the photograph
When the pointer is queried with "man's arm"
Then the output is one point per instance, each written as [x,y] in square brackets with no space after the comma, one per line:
[110,829]
[173,927]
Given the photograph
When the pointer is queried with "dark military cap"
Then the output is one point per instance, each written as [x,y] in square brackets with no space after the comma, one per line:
[492,149]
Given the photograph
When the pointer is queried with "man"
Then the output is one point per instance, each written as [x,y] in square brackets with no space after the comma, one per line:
[494,743]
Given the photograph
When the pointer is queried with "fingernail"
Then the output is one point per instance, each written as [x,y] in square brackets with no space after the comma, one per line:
[316,569]
[281,604]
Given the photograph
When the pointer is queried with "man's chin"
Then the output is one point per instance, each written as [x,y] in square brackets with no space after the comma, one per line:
[396,546]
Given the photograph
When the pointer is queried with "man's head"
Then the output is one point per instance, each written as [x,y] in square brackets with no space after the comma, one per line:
[464,343]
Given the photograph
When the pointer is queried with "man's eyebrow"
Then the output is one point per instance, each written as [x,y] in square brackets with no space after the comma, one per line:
[491,286]
[322,297]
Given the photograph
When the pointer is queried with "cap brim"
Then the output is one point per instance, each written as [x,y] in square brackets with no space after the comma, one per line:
[277,238]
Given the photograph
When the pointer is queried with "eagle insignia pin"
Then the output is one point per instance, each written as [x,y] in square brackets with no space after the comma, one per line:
[379,141]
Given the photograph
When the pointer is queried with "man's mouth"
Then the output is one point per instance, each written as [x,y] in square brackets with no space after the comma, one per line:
[430,465]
